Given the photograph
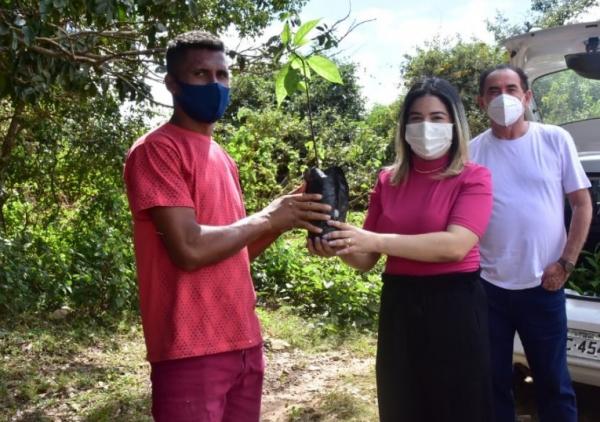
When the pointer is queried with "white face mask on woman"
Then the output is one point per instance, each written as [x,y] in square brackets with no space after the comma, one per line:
[429,140]
[505,109]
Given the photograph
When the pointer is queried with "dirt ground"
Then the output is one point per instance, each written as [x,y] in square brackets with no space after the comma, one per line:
[78,375]
[296,382]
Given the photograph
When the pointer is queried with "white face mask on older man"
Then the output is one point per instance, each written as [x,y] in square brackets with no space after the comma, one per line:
[505,109]
[429,140]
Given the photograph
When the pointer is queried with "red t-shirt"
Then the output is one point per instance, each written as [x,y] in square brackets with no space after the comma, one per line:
[423,204]
[209,310]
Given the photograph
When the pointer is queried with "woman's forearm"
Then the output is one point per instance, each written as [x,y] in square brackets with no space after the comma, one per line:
[448,246]
[361,261]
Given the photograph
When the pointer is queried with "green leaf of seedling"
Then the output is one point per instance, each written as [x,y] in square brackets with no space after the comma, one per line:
[291,81]
[280,91]
[300,37]
[325,68]
[286,83]
[300,64]
[286,34]
[303,43]
[296,61]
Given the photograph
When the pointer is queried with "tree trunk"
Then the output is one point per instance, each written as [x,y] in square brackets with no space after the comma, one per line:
[7,146]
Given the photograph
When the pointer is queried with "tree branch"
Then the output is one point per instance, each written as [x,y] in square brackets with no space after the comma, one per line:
[9,138]
[7,147]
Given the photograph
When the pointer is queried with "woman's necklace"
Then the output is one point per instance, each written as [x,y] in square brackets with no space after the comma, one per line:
[428,171]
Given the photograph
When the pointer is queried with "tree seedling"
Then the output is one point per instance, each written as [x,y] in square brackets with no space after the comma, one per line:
[295,75]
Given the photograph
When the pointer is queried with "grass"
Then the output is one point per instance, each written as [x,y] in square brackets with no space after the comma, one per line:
[73,370]
[313,336]
[80,370]
[353,401]
[337,405]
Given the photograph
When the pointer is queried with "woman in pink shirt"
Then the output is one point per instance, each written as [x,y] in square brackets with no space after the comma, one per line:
[426,214]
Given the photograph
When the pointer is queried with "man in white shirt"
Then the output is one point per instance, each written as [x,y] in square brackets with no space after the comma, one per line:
[526,254]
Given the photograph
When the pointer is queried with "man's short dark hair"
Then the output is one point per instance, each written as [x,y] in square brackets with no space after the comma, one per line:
[517,70]
[177,47]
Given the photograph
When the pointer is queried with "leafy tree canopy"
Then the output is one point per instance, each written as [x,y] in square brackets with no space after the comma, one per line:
[544,14]
[56,50]
[88,46]
[460,62]
[566,97]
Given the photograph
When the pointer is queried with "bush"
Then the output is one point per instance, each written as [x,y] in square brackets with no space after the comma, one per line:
[327,288]
[585,279]
[260,144]
[67,236]
[83,260]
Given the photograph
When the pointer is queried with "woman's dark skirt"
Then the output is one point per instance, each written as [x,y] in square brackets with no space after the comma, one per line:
[433,350]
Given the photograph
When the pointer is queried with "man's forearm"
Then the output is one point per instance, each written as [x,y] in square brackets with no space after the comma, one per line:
[578,229]
[259,245]
[191,245]
[218,243]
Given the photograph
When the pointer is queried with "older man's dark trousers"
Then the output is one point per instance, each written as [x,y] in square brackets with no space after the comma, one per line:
[539,316]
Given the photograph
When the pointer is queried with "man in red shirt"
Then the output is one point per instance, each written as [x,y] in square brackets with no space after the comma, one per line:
[193,246]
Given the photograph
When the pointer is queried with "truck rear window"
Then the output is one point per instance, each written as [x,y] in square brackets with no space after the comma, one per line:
[565,97]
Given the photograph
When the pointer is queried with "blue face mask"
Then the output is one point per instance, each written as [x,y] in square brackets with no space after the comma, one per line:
[203,103]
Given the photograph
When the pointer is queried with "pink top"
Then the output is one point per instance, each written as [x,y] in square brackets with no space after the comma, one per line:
[422,204]
[210,310]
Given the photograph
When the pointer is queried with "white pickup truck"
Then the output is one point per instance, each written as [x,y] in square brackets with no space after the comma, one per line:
[563,65]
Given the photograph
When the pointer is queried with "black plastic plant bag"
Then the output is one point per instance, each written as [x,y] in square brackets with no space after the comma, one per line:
[332,184]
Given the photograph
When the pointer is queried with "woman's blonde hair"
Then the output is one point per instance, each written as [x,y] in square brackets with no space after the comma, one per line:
[448,95]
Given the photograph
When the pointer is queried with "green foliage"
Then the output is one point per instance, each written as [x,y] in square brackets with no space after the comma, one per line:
[383,119]
[558,12]
[45,268]
[354,146]
[67,234]
[564,97]
[254,89]
[286,274]
[65,225]
[459,62]
[543,14]
[263,145]
[502,28]
[311,334]
[295,75]
[91,47]
[345,99]
[347,137]
[585,279]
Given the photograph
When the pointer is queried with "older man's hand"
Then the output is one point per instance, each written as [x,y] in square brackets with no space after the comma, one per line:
[554,277]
